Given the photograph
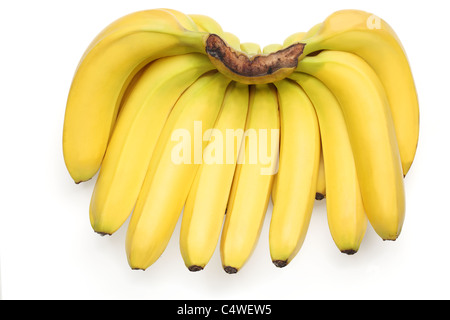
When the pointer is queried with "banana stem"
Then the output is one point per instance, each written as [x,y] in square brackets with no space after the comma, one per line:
[195,40]
[256,69]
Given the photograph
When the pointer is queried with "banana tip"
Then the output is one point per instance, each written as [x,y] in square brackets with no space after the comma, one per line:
[349,251]
[391,237]
[195,268]
[319,196]
[280,263]
[230,270]
[103,233]
[78,181]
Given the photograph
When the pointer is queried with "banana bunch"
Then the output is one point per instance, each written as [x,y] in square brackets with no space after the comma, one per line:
[180,121]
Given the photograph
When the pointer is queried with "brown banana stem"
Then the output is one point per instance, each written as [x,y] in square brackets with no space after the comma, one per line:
[253,66]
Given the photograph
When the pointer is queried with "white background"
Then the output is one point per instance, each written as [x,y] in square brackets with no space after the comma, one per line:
[47,247]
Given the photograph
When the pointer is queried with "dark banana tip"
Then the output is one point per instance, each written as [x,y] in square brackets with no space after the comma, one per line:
[349,251]
[280,263]
[230,270]
[319,196]
[138,269]
[103,233]
[195,268]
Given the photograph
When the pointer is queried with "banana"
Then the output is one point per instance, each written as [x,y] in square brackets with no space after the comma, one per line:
[372,39]
[184,19]
[133,140]
[297,174]
[130,19]
[206,204]
[321,188]
[312,31]
[347,219]
[299,36]
[273,47]
[207,24]
[232,40]
[372,135]
[293,38]
[172,170]
[252,183]
[251,48]
[103,75]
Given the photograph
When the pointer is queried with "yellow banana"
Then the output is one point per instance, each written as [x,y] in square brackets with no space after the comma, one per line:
[299,36]
[232,40]
[293,38]
[290,40]
[138,127]
[321,181]
[130,19]
[312,31]
[273,47]
[184,19]
[297,173]
[172,170]
[252,183]
[347,219]
[207,24]
[251,48]
[103,75]
[372,135]
[372,39]
[206,204]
